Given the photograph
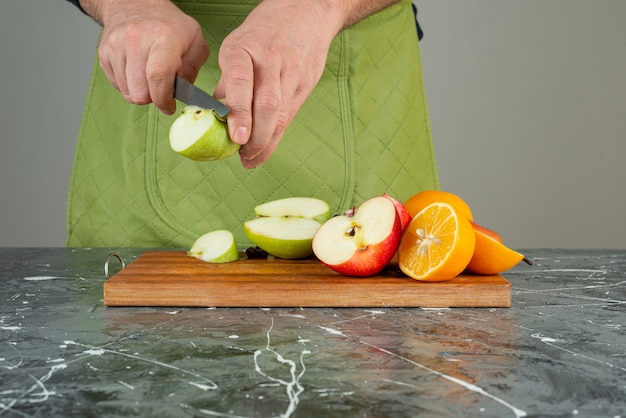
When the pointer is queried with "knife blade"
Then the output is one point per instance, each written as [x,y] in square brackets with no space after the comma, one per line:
[192,95]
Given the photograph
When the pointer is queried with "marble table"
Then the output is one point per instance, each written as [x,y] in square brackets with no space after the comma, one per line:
[559,351]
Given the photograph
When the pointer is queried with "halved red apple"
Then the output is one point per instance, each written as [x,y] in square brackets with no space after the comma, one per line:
[363,243]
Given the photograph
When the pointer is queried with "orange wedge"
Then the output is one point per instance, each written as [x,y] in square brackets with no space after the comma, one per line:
[437,245]
[491,256]
[420,200]
[486,231]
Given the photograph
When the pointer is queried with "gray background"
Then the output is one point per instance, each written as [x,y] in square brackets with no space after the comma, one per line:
[527,103]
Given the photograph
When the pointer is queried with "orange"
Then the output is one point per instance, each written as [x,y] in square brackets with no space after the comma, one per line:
[420,200]
[437,245]
[491,256]
[486,231]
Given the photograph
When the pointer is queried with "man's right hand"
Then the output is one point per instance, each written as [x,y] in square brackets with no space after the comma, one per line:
[144,45]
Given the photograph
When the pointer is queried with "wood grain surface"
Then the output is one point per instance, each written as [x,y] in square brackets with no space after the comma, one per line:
[171,278]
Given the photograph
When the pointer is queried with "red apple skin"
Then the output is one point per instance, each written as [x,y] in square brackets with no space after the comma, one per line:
[370,259]
[403,212]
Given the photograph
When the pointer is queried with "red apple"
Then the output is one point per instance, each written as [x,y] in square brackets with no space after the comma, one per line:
[361,244]
[403,212]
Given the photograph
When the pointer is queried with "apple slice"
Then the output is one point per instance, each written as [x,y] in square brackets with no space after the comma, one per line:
[284,228]
[215,247]
[295,207]
[197,134]
[362,244]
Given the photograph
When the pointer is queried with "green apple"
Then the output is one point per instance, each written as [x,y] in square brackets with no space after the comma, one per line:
[215,247]
[197,134]
[284,228]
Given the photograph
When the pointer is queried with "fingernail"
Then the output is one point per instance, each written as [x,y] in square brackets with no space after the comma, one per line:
[248,164]
[241,135]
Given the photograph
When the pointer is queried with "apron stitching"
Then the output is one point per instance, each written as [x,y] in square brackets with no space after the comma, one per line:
[346,122]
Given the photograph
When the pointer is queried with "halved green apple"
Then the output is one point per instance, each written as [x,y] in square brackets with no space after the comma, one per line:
[215,247]
[284,228]
[197,134]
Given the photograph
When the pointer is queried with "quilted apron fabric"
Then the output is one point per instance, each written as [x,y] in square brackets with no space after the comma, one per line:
[364,131]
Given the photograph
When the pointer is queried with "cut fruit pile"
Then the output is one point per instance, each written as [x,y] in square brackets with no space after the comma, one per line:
[432,234]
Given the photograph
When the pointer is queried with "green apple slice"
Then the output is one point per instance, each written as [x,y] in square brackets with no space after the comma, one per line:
[295,207]
[215,247]
[284,228]
[289,238]
[197,134]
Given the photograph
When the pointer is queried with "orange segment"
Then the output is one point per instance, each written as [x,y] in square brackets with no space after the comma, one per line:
[437,245]
[490,255]
[420,200]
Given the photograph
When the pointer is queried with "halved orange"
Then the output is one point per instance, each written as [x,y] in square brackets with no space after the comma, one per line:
[437,245]
[421,199]
[491,256]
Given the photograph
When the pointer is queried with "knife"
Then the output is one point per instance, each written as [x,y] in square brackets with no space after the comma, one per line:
[191,95]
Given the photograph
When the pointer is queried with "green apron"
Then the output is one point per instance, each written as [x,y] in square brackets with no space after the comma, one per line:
[364,131]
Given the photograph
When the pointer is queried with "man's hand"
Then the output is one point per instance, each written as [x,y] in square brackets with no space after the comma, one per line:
[272,62]
[144,45]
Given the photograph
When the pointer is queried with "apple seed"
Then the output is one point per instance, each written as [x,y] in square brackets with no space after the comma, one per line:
[350,232]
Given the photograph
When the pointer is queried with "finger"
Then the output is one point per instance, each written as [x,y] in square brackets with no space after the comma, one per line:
[293,98]
[236,86]
[136,66]
[264,155]
[137,82]
[161,68]
[113,69]
[108,71]
[266,111]
[266,108]
[289,109]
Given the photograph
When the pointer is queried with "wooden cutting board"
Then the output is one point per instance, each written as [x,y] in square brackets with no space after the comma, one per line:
[171,278]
